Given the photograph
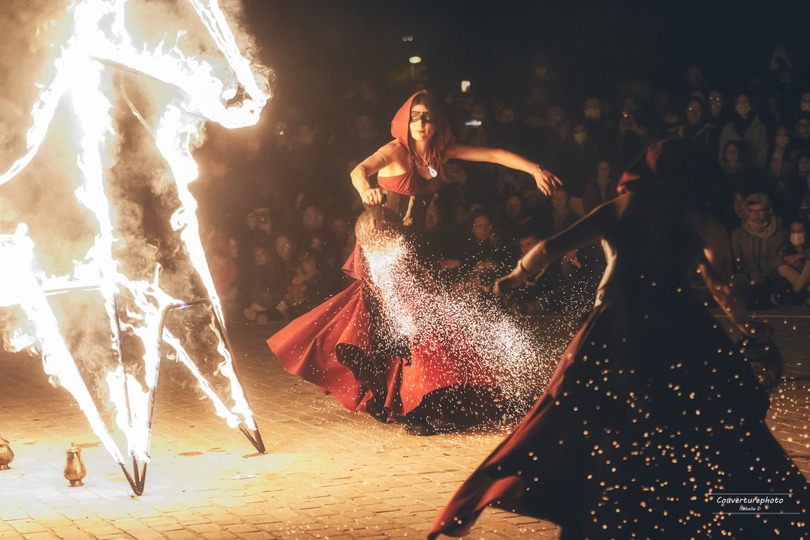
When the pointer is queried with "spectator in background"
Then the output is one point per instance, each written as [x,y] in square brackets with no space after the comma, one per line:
[509,217]
[697,129]
[695,82]
[535,107]
[718,115]
[740,176]
[800,142]
[562,216]
[633,133]
[286,252]
[804,205]
[266,286]
[440,242]
[600,189]
[259,227]
[795,264]
[476,128]
[581,157]
[314,235]
[599,129]
[511,134]
[756,247]
[222,254]
[780,164]
[484,254]
[340,242]
[788,192]
[745,125]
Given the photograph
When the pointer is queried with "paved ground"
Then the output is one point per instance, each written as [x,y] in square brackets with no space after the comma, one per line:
[327,473]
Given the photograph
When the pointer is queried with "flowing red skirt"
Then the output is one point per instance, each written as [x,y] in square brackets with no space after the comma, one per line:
[322,345]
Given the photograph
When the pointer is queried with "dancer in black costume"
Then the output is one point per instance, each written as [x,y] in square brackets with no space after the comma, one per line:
[653,420]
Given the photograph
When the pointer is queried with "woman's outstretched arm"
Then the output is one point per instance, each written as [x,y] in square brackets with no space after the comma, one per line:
[545,180]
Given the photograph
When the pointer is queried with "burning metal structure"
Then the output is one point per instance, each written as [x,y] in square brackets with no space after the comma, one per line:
[109,78]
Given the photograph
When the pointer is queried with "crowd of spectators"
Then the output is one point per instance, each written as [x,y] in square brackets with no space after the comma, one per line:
[286,253]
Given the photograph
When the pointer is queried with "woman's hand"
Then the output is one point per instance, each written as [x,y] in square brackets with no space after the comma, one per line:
[546,181]
[371,196]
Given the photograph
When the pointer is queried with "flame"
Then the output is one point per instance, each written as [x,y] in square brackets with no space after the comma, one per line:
[223,88]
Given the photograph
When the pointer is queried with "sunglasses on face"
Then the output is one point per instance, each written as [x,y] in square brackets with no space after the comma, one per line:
[424,117]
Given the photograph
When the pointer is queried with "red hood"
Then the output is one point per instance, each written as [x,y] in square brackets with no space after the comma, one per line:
[400,126]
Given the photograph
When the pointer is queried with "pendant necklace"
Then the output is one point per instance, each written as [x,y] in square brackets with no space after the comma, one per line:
[433,172]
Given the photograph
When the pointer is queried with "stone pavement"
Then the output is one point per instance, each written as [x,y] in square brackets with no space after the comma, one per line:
[327,473]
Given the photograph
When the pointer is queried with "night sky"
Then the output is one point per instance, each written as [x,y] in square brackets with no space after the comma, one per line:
[316,46]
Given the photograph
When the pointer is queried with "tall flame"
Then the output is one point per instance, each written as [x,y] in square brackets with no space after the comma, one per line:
[223,88]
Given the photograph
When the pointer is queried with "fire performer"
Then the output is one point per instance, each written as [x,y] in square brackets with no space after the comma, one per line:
[347,347]
[410,166]
[381,353]
[653,423]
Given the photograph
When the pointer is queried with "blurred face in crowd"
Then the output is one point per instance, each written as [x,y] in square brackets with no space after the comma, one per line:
[312,219]
[527,243]
[233,248]
[482,228]
[694,113]
[630,105]
[781,137]
[743,106]
[803,166]
[716,103]
[260,256]
[259,219]
[537,95]
[364,125]
[513,206]
[803,128]
[284,247]
[309,264]
[422,126]
[580,134]
[559,200]
[732,154]
[555,115]
[339,227]
[508,115]
[758,213]
[603,172]
[593,109]
[478,112]
[694,76]
[797,234]
[804,102]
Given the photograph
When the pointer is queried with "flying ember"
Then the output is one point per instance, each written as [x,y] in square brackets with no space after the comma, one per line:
[84,283]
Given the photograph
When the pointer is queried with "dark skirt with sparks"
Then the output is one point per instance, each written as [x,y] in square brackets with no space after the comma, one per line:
[652,426]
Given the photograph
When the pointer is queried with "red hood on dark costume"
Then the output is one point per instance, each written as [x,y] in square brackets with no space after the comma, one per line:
[401,125]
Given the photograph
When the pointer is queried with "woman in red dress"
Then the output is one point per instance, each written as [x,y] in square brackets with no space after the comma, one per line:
[346,347]
[653,422]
